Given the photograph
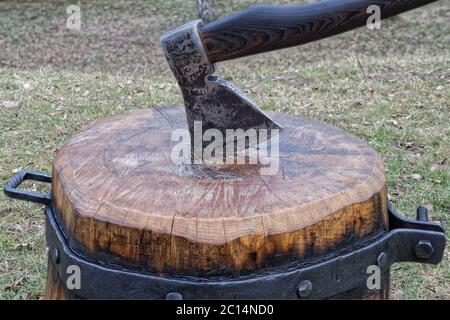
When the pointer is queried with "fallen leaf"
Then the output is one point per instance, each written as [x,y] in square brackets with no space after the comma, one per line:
[416,176]
[396,123]
[436,167]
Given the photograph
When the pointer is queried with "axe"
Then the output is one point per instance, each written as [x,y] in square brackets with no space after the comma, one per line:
[192,49]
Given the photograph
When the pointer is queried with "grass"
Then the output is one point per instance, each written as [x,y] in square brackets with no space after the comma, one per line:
[390,87]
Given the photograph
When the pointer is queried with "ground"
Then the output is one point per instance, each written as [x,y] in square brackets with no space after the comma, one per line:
[390,87]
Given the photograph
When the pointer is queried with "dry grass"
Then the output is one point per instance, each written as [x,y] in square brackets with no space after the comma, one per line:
[53,81]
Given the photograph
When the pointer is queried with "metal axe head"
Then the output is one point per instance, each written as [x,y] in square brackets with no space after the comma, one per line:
[217,103]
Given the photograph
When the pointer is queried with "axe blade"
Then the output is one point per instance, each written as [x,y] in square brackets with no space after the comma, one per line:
[217,103]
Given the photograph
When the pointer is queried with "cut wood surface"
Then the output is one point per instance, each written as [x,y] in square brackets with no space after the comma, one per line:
[118,193]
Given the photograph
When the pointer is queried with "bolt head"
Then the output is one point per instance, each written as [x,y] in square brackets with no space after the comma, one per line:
[382,260]
[304,289]
[174,296]
[424,249]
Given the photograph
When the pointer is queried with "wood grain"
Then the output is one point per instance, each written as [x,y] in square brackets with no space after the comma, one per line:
[264,28]
[118,194]
[55,288]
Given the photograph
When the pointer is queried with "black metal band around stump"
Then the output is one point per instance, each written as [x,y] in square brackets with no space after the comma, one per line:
[421,242]
[408,240]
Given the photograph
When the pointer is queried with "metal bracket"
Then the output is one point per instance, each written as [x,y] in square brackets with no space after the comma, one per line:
[317,280]
[396,220]
[10,187]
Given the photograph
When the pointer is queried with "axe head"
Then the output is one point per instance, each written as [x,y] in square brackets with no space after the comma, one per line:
[217,103]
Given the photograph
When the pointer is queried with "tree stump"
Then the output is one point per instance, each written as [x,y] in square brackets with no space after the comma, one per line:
[119,195]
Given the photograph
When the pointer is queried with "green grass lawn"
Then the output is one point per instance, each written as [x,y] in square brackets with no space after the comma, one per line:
[390,87]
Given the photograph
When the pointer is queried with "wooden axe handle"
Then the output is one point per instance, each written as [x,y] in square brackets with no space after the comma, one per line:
[268,27]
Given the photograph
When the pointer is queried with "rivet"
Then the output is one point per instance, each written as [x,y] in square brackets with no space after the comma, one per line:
[304,289]
[382,260]
[174,296]
[424,249]
[56,258]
